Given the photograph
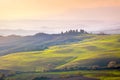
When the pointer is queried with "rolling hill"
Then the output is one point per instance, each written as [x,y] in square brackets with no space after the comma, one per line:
[40,41]
[96,50]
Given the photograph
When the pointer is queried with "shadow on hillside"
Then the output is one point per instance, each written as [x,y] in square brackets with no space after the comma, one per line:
[66,78]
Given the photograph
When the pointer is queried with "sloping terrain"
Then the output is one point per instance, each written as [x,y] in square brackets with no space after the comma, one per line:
[39,41]
[98,50]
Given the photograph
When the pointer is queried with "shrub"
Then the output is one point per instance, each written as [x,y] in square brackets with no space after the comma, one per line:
[41,78]
[2,76]
[112,64]
[65,76]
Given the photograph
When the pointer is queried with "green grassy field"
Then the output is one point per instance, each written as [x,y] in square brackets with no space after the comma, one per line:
[100,75]
[98,50]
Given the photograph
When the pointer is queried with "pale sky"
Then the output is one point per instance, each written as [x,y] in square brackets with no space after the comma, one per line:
[54,14]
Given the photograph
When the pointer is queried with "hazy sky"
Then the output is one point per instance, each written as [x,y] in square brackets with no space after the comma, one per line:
[56,15]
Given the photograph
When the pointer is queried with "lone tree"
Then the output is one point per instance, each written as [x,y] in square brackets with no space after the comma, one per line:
[82,31]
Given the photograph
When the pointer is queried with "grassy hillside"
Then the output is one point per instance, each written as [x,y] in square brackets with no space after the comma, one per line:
[98,50]
[39,41]
[70,75]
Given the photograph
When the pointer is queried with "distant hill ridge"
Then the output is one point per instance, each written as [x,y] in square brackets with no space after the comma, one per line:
[39,41]
[70,32]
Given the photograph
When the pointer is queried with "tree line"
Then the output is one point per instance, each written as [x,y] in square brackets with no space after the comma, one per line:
[112,65]
[74,32]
